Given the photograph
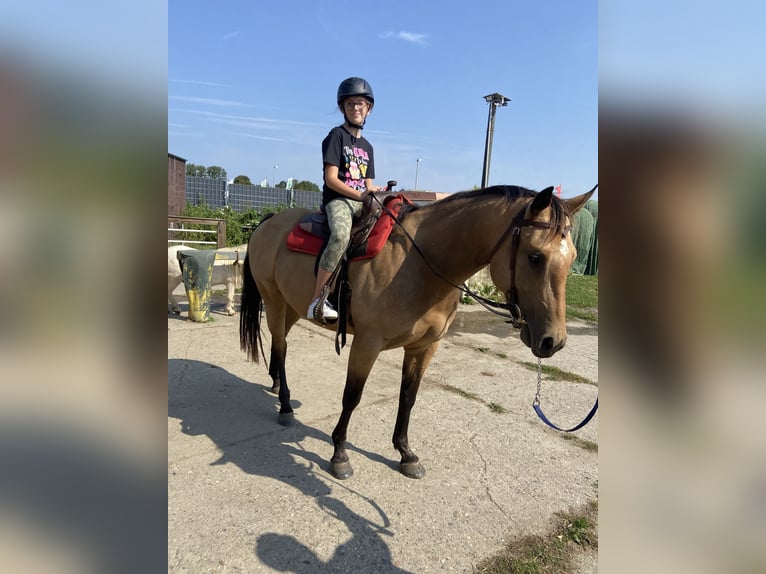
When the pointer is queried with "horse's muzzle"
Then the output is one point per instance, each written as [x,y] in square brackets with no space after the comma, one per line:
[546,347]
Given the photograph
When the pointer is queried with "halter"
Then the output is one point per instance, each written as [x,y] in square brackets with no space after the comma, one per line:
[514,229]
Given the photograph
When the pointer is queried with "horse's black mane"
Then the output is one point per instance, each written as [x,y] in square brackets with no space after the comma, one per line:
[510,192]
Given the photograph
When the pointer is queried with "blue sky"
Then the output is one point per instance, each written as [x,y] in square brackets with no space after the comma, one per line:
[252,85]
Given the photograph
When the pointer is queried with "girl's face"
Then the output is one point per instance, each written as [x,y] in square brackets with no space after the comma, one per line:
[356,109]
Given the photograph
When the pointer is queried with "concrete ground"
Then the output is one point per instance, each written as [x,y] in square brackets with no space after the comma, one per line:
[248,495]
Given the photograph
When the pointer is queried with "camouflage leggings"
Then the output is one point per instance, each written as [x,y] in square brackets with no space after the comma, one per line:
[340,214]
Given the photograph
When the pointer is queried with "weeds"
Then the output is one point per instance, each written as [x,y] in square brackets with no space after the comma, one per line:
[556,374]
[574,533]
[494,407]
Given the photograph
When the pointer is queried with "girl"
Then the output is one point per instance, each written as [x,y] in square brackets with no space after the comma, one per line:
[349,169]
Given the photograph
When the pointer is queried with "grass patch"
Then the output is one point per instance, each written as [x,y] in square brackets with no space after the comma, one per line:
[459,391]
[582,297]
[575,532]
[584,444]
[494,407]
[582,314]
[556,374]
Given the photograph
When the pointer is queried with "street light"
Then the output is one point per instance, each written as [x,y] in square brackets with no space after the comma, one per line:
[494,100]
[274,176]
[417,166]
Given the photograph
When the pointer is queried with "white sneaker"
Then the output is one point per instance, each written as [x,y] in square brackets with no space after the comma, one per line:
[328,312]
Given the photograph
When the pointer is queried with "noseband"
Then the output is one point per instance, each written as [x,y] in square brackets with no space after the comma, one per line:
[514,229]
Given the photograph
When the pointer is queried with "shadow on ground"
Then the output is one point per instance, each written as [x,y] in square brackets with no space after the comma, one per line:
[240,418]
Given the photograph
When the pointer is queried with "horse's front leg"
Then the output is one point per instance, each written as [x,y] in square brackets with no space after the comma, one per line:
[174,307]
[360,362]
[414,366]
[230,296]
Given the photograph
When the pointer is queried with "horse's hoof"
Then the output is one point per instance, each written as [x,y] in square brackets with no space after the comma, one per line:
[176,311]
[286,419]
[412,469]
[275,388]
[341,470]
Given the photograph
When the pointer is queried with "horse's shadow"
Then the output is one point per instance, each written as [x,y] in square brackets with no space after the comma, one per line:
[240,418]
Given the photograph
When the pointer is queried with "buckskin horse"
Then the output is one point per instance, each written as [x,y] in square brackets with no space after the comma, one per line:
[407,295]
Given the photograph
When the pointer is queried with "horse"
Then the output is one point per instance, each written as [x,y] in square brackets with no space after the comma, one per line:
[407,296]
[224,273]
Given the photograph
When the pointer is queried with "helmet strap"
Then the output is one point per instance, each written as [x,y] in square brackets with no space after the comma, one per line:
[352,124]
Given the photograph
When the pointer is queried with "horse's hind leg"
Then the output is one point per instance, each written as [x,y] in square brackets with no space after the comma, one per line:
[414,366]
[280,319]
[274,369]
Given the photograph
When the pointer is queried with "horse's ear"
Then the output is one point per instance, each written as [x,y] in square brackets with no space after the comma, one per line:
[574,204]
[542,200]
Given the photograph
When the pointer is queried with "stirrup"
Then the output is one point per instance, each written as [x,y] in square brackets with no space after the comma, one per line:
[319,307]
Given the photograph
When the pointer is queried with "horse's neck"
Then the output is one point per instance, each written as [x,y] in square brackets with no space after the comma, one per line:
[458,240]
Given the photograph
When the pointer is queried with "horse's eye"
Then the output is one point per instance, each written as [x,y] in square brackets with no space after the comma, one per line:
[535,258]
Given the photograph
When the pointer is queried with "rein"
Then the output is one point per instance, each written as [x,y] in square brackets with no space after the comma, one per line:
[515,315]
[488,304]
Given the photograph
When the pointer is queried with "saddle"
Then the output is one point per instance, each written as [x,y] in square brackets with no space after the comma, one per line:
[369,230]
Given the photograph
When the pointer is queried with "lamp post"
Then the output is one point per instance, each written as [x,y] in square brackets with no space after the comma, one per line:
[274,176]
[494,100]
[417,166]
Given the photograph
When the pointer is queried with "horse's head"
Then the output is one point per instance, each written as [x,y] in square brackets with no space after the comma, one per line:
[531,268]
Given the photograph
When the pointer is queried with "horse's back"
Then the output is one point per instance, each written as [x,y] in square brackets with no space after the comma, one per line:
[274,267]
[271,234]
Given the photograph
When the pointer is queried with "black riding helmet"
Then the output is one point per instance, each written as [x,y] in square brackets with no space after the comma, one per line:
[354,87]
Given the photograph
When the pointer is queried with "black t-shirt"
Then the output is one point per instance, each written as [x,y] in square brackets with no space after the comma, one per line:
[354,159]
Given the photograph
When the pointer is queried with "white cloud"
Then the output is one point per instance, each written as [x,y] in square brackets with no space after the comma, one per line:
[207,101]
[201,83]
[412,37]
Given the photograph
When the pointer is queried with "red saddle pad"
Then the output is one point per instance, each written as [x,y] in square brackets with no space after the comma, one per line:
[304,242]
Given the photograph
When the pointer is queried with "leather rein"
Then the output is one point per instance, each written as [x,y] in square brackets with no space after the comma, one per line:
[513,311]
[512,306]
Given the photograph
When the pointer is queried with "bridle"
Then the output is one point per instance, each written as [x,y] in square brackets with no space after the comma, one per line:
[514,229]
[514,313]
[517,318]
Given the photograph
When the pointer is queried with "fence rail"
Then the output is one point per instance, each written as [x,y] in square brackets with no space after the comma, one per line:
[176,227]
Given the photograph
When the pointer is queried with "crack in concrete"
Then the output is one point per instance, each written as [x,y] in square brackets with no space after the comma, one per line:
[484,479]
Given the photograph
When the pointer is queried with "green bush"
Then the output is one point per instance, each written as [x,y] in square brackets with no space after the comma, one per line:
[239,226]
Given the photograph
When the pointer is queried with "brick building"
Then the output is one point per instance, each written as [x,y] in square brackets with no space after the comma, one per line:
[176,184]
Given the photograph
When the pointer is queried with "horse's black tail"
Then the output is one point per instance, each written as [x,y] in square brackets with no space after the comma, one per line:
[250,314]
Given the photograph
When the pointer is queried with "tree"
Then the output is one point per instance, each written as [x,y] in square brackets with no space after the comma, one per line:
[243,179]
[196,170]
[216,172]
[306,185]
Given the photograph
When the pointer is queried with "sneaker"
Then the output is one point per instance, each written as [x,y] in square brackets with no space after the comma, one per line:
[328,312]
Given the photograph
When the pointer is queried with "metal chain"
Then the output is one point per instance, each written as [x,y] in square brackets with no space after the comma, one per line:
[539,381]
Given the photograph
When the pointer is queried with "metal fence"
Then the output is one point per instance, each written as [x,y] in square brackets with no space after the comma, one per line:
[217,193]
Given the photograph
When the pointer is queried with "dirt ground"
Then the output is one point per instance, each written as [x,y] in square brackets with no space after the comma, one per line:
[248,495]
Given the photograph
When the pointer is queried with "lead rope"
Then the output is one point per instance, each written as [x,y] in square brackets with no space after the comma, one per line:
[539,411]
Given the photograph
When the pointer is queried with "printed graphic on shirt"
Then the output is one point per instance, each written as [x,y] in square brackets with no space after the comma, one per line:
[356,160]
